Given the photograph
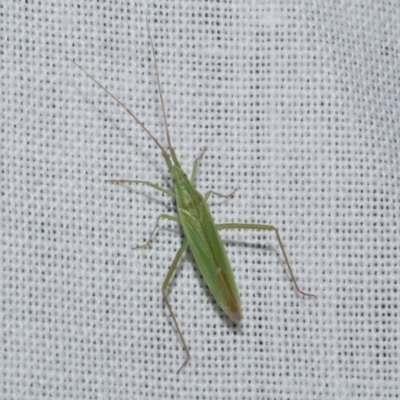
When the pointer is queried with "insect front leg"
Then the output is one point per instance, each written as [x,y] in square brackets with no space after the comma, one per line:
[165,216]
[196,164]
[167,280]
[154,186]
[267,228]
[193,177]
[226,196]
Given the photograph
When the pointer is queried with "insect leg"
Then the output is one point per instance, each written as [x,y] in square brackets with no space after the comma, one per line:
[159,188]
[210,192]
[196,164]
[167,280]
[267,228]
[166,216]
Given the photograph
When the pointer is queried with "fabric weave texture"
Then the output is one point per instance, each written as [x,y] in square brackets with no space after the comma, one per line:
[297,104]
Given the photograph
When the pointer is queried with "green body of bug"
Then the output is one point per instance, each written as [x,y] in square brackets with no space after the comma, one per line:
[206,245]
[200,231]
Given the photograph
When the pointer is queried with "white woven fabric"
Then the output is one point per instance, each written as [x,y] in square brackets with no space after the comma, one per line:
[298,105]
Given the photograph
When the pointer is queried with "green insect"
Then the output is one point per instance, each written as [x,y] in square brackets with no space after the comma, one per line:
[201,233]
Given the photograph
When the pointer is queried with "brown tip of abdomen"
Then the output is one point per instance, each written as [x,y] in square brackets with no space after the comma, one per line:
[234,312]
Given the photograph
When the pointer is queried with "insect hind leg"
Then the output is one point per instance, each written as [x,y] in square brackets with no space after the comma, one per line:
[267,228]
[164,287]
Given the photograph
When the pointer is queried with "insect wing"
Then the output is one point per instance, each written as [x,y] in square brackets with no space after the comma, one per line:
[211,258]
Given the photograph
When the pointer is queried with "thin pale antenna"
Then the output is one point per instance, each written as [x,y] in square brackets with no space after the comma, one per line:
[159,87]
[137,120]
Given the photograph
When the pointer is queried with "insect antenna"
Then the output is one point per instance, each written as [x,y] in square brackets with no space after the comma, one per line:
[159,86]
[171,149]
[137,120]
